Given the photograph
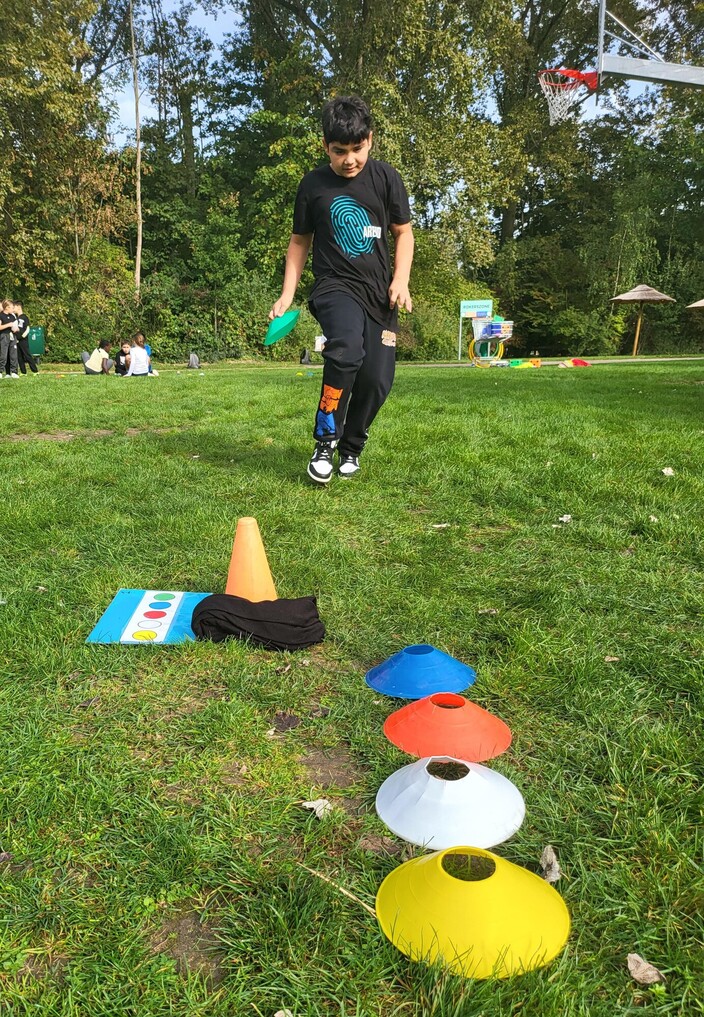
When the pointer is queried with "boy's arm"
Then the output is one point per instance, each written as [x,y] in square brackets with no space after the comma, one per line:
[403,258]
[296,257]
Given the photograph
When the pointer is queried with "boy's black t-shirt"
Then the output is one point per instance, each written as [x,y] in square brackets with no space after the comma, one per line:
[23,322]
[121,365]
[6,319]
[350,219]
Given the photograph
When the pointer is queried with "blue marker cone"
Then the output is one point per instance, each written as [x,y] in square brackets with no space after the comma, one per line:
[418,671]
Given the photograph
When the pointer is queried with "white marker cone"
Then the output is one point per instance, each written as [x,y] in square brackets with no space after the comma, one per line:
[440,802]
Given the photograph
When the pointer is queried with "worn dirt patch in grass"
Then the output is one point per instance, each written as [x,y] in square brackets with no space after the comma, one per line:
[354,807]
[331,768]
[180,792]
[192,944]
[129,432]
[44,966]
[378,844]
[41,436]
[234,774]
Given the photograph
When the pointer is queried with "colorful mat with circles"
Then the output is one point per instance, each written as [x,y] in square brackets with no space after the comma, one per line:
[144,617]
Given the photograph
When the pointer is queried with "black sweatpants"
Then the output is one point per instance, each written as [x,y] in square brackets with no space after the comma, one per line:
[25,357]
[358,372]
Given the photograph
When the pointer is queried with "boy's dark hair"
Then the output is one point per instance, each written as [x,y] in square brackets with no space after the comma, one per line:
[346,119]
[105,343]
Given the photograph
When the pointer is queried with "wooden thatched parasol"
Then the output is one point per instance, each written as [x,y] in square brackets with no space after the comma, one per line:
[641,295]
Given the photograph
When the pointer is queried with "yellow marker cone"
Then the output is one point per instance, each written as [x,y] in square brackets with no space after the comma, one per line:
[249,575]
[476,913]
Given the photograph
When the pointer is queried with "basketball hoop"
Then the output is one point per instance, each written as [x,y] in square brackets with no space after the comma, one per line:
[562,90]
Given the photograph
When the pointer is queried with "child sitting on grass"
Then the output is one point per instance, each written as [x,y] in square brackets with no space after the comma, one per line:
[140,361]
[122,360]
[98,362]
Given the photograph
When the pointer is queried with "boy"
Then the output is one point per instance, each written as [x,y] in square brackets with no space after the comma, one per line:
[25,357]
[8,339]
[122,359]
[345,210]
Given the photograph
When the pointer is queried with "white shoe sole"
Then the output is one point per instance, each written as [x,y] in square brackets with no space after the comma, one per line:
[316,479]
[346,474]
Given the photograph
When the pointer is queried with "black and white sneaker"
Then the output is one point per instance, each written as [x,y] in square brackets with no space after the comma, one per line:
[320,466]
[349,465]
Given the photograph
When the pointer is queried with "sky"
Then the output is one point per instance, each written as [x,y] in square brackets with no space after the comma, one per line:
[215,26]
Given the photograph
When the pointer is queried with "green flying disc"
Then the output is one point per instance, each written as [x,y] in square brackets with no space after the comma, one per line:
[280,327]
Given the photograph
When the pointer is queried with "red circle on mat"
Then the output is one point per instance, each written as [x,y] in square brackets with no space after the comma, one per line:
[154,614]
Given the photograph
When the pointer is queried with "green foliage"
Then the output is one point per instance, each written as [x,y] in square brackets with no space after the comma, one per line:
[552,221]
[430,333]
[60,186]
[154,831]
[588,333]
[97,303]
[293,148]
[437,279]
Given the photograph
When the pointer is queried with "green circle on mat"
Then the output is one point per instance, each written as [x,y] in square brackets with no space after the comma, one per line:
[164,596]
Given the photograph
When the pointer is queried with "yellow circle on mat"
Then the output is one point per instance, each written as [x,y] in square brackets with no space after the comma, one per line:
[144,634]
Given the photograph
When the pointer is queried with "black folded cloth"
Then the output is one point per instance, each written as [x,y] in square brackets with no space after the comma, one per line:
[273,624]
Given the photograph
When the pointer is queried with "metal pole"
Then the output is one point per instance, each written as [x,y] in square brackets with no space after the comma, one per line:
[602,23]
[459,341]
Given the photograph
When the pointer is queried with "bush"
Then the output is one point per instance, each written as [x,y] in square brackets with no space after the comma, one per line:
[430,333]
[97,303]
[588,333]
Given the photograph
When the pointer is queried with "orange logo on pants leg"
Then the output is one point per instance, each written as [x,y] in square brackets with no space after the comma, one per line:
[330,398]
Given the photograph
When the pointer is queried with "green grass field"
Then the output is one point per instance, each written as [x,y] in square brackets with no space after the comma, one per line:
[151,825]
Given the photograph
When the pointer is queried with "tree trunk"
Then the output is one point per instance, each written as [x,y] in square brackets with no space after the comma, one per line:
[185,101]
[138,159]
[508,222]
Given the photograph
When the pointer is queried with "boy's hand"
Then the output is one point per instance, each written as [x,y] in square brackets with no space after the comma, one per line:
[282,305]
[399,295]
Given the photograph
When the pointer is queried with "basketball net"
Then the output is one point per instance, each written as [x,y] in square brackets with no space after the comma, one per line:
[562,89]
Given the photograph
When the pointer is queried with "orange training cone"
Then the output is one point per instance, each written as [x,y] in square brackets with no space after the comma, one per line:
[249,575]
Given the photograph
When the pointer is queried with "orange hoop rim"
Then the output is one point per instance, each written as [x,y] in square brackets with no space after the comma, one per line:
[588,78]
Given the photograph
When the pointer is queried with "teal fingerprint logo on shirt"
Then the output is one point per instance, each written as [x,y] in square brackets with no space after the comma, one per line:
[352,228]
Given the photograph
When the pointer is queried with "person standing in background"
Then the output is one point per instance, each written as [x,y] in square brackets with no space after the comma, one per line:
[8,338]
[24,357]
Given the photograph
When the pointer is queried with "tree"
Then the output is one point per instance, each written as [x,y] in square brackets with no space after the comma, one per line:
[138,156]
[59,187]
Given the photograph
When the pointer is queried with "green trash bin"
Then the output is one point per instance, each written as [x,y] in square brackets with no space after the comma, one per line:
[36,340]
